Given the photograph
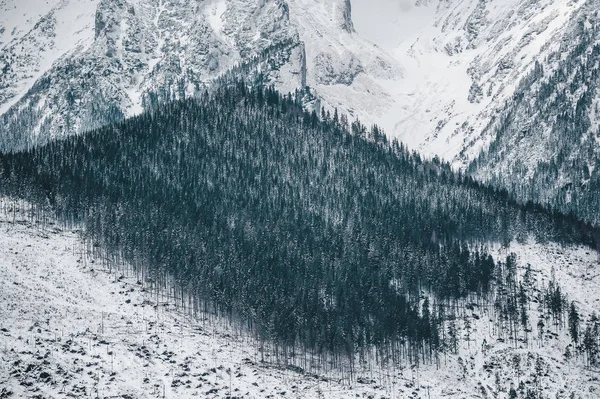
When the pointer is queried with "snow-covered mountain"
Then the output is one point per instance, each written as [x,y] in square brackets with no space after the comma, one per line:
[546,138]
[129,54]
[33,35]
[442,75]
[462,61]
[433,73]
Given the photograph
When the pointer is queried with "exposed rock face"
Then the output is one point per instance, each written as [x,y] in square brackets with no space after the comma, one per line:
[441,74]
[332,69]
[138,53]
[345,9]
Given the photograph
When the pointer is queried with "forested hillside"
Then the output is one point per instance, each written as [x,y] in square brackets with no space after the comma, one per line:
[316,233]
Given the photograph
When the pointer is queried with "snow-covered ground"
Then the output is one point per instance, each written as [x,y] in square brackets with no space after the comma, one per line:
[69,327]
[33,35]
[462,60]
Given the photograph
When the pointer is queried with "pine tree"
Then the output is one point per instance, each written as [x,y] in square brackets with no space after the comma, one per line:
[574,323]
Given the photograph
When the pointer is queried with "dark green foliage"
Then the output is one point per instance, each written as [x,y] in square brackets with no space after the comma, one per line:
[257,209]
[591,341]
[574,323]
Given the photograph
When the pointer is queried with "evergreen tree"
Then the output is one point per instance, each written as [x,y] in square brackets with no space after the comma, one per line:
[574,323]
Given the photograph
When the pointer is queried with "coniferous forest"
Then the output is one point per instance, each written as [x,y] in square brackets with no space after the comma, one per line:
[316,233]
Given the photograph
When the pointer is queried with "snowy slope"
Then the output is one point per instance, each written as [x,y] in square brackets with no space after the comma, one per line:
[462,60]
[144,52]
[70,327]
[33,35]
[342,67]
[546,137]
[433,73]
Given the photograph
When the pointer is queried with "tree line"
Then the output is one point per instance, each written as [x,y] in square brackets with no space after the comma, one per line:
[317,234]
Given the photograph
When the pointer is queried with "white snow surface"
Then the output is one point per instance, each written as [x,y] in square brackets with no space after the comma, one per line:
[34,34]
[215,10]
[433,73]
[70,327]
[462,61]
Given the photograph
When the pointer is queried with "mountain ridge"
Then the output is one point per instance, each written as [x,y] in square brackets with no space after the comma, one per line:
[438,87]
[169,50]
[545,143]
